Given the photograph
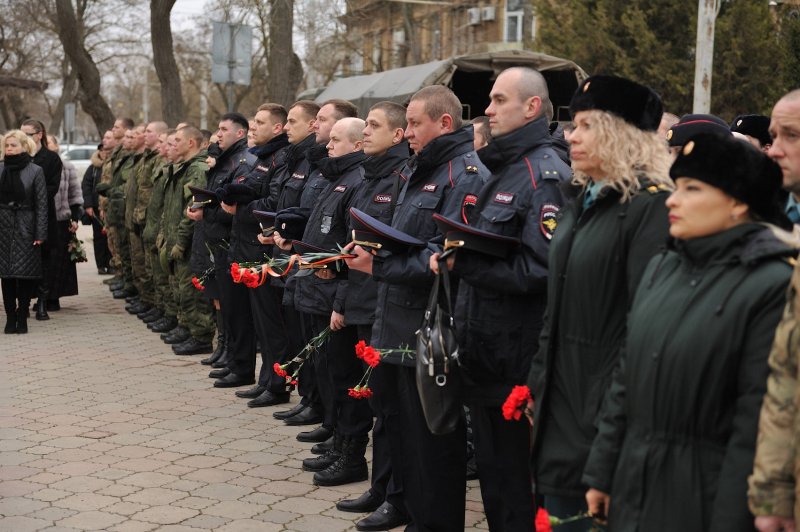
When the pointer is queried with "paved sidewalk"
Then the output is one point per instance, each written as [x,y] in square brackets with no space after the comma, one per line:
[103,428]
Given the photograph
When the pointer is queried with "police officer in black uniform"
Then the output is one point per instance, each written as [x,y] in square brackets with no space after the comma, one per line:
[388,152]
[446,171]
[501,300]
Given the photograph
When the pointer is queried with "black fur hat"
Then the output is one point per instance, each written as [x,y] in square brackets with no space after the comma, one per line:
[690,125]
[636,104]
[756,126]
[737,168]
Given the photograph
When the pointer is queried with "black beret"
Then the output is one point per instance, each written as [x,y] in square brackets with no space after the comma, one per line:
[372,233]
[636,104]
[202,197]
[690,125]
[234,193]
[214,150]
[291,223]
[756,126]
[457,234]
[737,168]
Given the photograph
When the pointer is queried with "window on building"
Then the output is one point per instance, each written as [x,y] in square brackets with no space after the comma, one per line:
[513,21]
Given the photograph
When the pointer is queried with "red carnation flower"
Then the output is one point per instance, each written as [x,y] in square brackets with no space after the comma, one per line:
[279,370]
[198,284]
[542,522]
[516,402]
[368,354]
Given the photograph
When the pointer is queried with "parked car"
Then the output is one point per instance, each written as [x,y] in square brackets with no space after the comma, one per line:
[80,155]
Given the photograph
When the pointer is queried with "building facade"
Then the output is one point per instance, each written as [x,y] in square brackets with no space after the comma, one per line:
[395,33]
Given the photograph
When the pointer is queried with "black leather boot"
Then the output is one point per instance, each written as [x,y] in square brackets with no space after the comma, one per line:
[319,463]
[221,343]
[224,359]
[322,447]
[22,320]
[41,310]
[351,466]
[11,321]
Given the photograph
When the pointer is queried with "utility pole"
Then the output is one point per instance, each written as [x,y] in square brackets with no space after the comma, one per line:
[145,96]
[704,56]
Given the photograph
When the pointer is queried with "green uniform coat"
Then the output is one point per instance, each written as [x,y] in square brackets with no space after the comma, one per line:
[677,432]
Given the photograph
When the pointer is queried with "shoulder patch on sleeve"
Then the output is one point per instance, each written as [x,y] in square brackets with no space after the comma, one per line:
[548,220]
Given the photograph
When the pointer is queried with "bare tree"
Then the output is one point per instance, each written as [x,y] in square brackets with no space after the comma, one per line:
[285,70]
[72,34]
[164,60]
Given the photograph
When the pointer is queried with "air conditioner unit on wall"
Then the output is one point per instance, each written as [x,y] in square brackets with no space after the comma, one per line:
[474,16]
[488,13]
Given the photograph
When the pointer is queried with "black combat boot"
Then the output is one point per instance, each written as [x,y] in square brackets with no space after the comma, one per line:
[41,309]
[350,467]
[319,463]
[221,343]
[22,317]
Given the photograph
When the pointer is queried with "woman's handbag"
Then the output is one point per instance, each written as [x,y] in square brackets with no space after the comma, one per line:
[438,381]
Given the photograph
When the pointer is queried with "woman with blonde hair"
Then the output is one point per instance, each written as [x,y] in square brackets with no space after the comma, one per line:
[677,433]
[23,227]
[604,240]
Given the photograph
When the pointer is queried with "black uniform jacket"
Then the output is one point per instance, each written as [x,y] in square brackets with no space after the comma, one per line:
[213,231]
[382,182]
[501,302]
[328,227]
[597,257]
[677,432]
[446,172]
[245,229]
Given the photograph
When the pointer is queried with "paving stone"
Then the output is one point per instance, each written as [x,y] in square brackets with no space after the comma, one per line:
[16,472]
[314,523]
[126,508]
[119,490]
[148,480]
[156,496]
[50,494]
[221,492]
[251,525]
[20,506]
[165,515]
[52,514]
[17,488]
[86,501]
[133,526]
[93,520]
[206,522]
[277,516]
[81,484]
[77,468]
[22,524]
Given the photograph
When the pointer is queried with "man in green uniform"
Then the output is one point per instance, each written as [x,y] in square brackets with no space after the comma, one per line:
[165,316]
[140,189]
[194,312]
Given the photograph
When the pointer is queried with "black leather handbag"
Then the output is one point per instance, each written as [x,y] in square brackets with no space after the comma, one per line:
[438,380]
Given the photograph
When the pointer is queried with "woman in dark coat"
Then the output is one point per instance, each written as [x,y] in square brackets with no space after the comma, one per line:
[51,166]
[23,227]
[677,432]
[604,240]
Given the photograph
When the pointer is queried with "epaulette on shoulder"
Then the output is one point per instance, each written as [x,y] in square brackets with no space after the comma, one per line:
[549,168]
[655,189]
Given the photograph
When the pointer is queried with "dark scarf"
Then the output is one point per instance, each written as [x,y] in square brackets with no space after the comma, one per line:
[11,187]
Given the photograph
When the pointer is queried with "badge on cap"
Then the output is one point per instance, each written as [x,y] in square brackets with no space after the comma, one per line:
[586,87]
[669,134]
[739,123]
[688,148]
[548,220]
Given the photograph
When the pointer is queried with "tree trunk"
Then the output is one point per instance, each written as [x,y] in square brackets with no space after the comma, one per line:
[164,60]
[285,71]
[70,79]
[71,38]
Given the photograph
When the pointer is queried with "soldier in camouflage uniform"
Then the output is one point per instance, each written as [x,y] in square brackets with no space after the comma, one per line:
[774,495]
[133,143]
[194,312]
[110,166]
[140,189]
[165,316]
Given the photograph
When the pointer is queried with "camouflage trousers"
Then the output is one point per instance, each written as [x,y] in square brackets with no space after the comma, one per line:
[142,279]
[194,309]
[162,292]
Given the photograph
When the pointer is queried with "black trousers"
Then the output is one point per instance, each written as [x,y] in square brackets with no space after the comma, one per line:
[17,293]
[387,451]
[102,256]
[433,467]
[239,327]
[502,452]
[338,369]
[272,333]
[307,378]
